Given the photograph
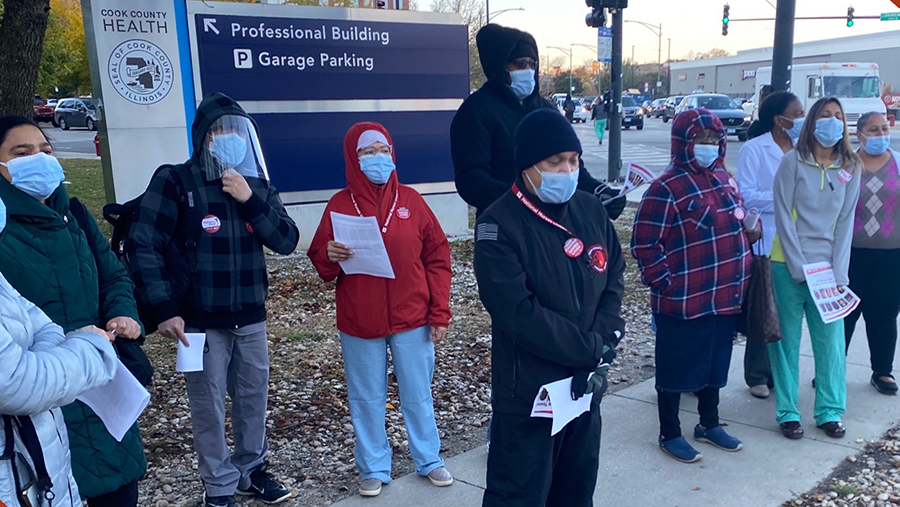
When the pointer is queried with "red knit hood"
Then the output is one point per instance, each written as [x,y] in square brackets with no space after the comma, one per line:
[373,199]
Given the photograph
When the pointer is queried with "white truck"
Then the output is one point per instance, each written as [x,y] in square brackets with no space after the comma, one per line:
[856,85]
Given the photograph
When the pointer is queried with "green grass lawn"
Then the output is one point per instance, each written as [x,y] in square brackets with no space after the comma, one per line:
[86,178]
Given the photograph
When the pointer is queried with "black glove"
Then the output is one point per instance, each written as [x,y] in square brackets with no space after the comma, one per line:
[581,385]
[615,207]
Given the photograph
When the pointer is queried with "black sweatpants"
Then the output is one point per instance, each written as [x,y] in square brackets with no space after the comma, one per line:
[529,468]
[757,371]
[707,406]
[126,496]
[875,278]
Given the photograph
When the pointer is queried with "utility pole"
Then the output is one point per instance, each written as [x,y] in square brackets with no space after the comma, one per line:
[615,94]
[487,11]
[659,64]
[568,52]
[631,85]
[783,51]
[669,70]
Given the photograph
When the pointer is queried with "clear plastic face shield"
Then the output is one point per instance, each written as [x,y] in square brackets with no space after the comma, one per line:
[231,143]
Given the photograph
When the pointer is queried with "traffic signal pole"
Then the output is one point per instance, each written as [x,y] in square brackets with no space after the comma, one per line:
[783,50]
[615,93]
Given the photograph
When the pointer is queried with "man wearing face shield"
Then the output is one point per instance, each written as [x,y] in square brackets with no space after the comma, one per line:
[481,135]
[219,210]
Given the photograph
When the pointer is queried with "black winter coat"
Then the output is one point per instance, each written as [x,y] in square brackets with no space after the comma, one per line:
[482,133]
[551,315]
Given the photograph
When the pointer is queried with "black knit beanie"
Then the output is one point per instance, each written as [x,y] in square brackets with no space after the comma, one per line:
[542,134]
[523,49]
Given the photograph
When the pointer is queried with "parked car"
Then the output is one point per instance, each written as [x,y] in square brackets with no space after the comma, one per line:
[76,112]
[582,110]
[656,107]
[668,111]
[40,111]
[732,117]
[633,114]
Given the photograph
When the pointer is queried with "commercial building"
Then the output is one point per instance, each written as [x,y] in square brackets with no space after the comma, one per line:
[736,75]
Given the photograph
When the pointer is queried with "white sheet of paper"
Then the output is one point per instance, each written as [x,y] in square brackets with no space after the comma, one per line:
[363,236]
[191,358]
[119,403]
[832,304]
[557,404]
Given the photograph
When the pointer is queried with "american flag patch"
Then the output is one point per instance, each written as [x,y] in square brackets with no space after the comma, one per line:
[486,232]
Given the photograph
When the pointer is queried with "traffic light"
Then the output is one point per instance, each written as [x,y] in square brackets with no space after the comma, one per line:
[597,17]
[850,11]
[725,19]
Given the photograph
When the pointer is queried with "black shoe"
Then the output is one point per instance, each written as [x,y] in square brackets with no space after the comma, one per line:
[792,430]
[218,501]
[264,487]
[883,387]
[834,429]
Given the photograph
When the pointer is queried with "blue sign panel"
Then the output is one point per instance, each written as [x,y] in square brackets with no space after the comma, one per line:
[291,71]
[308,148]
[261,58]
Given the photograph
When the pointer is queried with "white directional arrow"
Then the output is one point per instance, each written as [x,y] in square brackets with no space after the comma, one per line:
[209,24]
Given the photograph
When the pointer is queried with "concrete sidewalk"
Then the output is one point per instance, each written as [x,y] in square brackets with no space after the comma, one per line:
[634,472]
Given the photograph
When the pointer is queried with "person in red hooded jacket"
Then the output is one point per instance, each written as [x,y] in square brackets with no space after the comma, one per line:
[407,313]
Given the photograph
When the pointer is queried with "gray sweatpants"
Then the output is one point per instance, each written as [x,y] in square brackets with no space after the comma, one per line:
[235,362]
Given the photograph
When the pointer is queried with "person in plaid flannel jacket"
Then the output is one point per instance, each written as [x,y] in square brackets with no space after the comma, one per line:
[694,255]
[238,212]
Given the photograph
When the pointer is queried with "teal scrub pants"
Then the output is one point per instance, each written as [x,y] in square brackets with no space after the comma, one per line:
[793,300]
[599,128]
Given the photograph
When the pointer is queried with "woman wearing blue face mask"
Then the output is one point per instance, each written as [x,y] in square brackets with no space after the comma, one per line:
[781,117]
[875,254]
[73,276]
[695,256]
[408,313]
[816,189]
[550,274]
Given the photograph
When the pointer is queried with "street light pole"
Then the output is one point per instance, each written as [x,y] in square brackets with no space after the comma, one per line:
[783,50]
[632,67]
[599,91]
[669,70]
[506,10]
[659,63]
[487,11]
[658,32]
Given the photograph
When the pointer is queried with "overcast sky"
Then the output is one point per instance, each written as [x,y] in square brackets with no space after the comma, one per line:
[691,24]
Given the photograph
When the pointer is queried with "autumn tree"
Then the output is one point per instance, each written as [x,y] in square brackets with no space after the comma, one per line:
[22,31]
[472,13]
[64,62]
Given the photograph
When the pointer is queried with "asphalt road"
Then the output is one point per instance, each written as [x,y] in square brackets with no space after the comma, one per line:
[652,146]
[74,141]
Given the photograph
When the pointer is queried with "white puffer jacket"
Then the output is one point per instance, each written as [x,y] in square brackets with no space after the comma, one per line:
[42,370]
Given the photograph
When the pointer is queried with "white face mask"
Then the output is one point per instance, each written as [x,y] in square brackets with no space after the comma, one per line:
[706,154]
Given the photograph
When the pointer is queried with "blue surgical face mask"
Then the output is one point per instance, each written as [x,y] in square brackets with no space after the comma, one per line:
[706,154]
[829,131]
[522,82]
[556,188]
[37,175]
[2,215]
[794,131]
[377,168]
[229,149]
[876,145]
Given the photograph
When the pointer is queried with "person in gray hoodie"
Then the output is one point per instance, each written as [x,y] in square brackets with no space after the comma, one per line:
[815,192]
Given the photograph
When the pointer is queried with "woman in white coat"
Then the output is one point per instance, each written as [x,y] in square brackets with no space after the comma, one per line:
[776,131]
[42,370]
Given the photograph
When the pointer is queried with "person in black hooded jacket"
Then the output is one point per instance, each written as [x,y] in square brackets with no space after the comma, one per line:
[481,135]
[551,275]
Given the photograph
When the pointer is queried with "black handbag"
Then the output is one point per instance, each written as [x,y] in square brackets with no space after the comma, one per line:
[759,319]
[32,486]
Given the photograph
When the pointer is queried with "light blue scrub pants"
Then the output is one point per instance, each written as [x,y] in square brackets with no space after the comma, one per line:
[365,364]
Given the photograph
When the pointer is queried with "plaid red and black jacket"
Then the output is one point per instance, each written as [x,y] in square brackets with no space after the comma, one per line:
[690,246]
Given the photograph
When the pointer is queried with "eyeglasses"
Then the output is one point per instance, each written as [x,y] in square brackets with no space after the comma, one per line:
[370,151]
[524,63]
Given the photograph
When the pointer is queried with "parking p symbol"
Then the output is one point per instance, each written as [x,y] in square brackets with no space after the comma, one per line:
[243,59]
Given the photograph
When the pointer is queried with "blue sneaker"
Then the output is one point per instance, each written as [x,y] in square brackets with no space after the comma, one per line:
[680,449]
[717,437]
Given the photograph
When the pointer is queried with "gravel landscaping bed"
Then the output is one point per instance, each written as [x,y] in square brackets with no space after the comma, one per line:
[868,479]
[310,435]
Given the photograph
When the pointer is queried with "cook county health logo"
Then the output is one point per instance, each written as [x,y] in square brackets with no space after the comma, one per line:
[141,72]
